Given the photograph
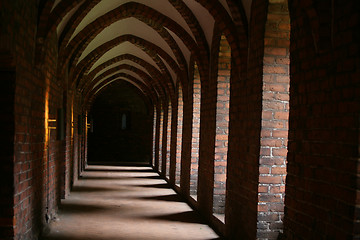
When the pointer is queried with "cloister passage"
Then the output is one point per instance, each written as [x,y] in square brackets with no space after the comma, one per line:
[248,110]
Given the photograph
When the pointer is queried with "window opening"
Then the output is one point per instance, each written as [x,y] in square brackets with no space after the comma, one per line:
[179,136]
[195,140]
[168,138]
[222,128]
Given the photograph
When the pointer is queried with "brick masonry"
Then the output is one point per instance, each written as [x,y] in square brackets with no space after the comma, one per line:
[222,126]
[322,185]
[320,157]
[275,115]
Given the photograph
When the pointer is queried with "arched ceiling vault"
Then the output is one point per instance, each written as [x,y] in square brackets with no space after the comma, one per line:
[147,43]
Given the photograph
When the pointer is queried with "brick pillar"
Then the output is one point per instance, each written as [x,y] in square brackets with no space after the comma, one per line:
[161,131]
[154,138]
[274,129]
[157,117]
[168,144]
[186,138]
[195,141]
[173,140]
[164,141]
[222,128]
[322,185]
[179,135]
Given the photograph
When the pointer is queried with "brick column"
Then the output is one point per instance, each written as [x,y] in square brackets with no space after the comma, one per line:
[161,130]
[195,140]
[154,138]
[274,129]
[168,144]
[222,128]
[164,130]
[179,135]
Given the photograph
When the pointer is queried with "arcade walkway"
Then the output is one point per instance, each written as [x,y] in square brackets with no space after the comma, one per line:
[131,203]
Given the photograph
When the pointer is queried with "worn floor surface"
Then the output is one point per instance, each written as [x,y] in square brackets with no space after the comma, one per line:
[130,203]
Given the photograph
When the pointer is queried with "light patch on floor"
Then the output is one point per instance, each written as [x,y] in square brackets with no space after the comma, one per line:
[130,203]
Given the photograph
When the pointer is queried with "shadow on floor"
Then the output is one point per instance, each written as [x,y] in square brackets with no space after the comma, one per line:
[118,170]
[104,178]
[92,189]
[61,237]
[186,217]
[167,198]
[161,185]
[148,177]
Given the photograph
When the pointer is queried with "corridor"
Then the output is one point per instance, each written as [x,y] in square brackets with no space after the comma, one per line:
[248,109]
[124,202]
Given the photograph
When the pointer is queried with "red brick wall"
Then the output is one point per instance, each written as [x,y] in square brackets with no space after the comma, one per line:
[164,139]
[168,139]
[186,136]
[179,135]
[37,188]
[244,130]
[173,141]
[322,183]
[195,139]
[157,138]
[321,186]
[154,137]
[161,131]
[275,114]
[222,126]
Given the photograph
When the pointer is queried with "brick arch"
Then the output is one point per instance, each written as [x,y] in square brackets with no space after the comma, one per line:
[49,20]
[146,78]
[44,13]
[110,62]
[89,4]
[147,47]
[146,92]
[117,68]
[153,54]
[237,37]
[149,67]
[151,49]
[149,81]
[75,20]
[66,5]
[239,16]
[156,75]
[319,20]
[193,23]
[139,11]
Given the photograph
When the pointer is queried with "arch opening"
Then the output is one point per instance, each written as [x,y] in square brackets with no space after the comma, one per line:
[179,136]
[195,139]
[168,139]
[222,129]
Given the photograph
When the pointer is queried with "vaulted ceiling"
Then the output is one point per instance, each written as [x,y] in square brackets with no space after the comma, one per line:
[148,43]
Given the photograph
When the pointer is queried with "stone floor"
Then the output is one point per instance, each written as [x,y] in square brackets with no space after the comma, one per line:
[131,203]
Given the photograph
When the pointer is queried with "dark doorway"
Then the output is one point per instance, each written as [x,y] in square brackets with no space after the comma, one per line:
[121,126]
[7,130]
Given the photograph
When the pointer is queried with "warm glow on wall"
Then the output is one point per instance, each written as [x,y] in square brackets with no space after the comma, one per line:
[46,123]
[72,119]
